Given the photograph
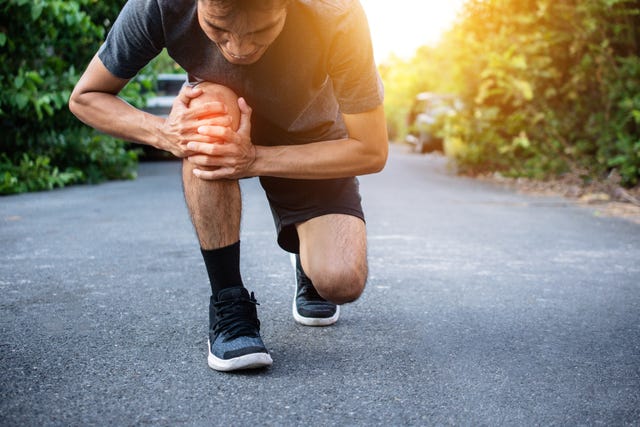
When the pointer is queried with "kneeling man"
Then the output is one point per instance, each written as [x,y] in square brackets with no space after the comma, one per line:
[285,90]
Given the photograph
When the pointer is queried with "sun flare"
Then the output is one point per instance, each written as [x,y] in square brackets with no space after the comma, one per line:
[401,26]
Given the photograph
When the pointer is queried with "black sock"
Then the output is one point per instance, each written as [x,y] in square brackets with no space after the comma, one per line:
[223,267]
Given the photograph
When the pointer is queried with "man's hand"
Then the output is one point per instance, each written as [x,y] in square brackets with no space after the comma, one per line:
[95,101]
[222,153]
[181,127]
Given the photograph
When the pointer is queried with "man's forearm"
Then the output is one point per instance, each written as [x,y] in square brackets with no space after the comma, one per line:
[320,160]
[364,152]
[113,116]
[95,101]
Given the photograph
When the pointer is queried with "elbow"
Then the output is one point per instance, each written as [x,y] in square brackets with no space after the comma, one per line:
[78,106]
[74,104]
[377,164]
[78,103]
[379,158]
[383,155]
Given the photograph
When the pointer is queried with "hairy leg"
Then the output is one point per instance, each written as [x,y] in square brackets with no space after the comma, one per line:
[333,253]
[215,208]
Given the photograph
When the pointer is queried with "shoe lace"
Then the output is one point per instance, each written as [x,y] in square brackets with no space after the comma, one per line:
[237,318]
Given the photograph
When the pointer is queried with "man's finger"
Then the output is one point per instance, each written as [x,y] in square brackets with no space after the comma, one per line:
[220,132]
[216,121]
[198,138]
[245,117]
[187,93]
[210,149]
[212,175]
[213,108]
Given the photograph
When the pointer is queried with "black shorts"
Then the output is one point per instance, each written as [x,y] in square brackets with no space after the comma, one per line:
[294,201]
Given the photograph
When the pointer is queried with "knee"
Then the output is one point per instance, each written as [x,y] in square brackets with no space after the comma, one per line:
[212,92]
[222,189]
[340,285]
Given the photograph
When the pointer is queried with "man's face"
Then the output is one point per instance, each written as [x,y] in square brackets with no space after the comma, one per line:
[242,37]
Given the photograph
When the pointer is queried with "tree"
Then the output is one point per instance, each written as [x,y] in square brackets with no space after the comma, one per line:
[44,46]
[557,87]
[549,87]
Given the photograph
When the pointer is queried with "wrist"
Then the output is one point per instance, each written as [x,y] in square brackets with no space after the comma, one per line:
[256,168]
[158,137]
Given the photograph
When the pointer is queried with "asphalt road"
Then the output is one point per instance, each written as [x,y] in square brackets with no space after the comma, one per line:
[483,307]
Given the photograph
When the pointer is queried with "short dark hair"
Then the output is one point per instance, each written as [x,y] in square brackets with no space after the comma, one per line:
[231,7]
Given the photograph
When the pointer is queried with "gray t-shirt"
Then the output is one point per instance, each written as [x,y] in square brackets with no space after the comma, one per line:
[320,66]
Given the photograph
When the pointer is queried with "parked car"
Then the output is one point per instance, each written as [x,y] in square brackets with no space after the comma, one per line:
[426,119]
[166,89]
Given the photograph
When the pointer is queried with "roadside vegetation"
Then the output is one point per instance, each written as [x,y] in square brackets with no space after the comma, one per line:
[44,47]
[548,88]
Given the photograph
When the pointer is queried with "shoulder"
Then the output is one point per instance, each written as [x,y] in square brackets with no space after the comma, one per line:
[176,7]
[168,17]
[329,10]
[336,7]
[161,9]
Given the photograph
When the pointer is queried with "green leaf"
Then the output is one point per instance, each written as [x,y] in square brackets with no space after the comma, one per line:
[35,77]
[18,82]
[525,89]
[519,62]
[36,10]
[21,100]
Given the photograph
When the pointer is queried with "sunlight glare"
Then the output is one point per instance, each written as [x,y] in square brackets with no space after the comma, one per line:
[401,26]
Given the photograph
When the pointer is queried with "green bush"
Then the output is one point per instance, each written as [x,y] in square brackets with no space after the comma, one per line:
[44,46]
[549,87]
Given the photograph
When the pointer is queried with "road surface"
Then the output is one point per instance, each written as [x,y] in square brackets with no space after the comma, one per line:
[483,306]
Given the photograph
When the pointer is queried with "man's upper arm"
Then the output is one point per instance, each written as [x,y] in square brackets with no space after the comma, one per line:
[97,78]
[351,64]
[135,38]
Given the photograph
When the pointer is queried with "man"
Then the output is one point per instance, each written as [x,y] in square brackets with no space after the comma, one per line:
[311,119]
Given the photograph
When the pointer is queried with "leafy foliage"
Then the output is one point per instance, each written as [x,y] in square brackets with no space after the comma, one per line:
[548,87]
[44,45]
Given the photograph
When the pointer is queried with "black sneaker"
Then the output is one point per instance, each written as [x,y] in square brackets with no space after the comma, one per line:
[309,308]
[234,332]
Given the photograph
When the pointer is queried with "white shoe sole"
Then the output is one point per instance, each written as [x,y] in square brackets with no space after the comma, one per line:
[314,321]
[309,321]
[248,361]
